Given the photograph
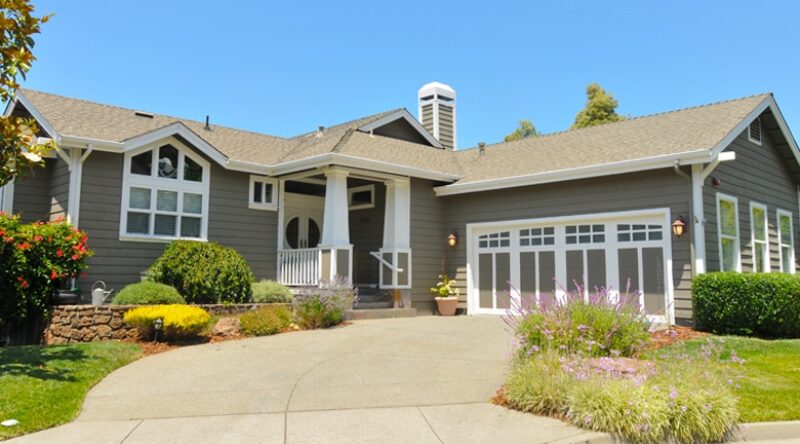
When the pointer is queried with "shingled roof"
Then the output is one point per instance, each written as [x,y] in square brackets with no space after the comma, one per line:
[689,130]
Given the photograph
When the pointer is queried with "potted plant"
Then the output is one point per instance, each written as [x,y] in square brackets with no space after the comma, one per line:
[446,295]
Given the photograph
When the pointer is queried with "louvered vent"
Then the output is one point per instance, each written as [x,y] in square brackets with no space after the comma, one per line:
[754,133]
[437,112]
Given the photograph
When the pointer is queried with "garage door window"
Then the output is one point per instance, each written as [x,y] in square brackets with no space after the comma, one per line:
[585,234]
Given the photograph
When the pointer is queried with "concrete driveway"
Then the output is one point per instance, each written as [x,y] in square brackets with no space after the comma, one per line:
[412,380]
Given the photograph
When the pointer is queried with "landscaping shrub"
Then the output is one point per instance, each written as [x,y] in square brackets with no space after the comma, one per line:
[179,321]
[35,260]
[600,325]
[674,399]
[267,292]
[753,304]
[266,321]
[204,272]
[148,293]
[324,307]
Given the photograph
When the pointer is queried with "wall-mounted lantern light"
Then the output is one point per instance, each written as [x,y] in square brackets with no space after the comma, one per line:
[679,227]
[452,239]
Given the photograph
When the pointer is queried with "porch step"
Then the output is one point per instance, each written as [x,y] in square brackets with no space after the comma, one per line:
[380,313]
[370,298]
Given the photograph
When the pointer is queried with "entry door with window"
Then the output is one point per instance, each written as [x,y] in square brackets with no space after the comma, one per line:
[303,221]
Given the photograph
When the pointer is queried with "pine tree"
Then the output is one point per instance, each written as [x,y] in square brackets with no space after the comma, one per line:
[600,108]
[524,130]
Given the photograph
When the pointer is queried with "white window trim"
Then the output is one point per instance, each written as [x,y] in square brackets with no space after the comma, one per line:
[737,240]
[760,132]
[753,240]
[7,197]
[154,183]
[269,206]
[351,191]
[778,214]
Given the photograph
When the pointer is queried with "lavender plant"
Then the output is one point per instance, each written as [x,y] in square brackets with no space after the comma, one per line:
[325,306]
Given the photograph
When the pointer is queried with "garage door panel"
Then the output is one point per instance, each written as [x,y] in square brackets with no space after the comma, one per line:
[485,284]
[596,269]
[547,272]
[575,270]
[503,276]
[653,280]
[527,273]
[628,260]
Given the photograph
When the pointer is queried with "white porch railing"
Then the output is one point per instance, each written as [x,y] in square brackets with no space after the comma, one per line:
[299,267]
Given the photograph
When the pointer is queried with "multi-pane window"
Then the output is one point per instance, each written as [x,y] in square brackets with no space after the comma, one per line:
[495,240]
[639,232]
[165,194]
[728,231]
[786,241]
[535,237]
[585,234]
[263,193]
[760,240]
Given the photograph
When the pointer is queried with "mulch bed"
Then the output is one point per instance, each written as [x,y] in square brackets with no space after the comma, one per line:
[671,335]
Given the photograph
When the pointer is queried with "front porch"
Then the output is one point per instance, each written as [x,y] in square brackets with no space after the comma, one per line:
[345,225]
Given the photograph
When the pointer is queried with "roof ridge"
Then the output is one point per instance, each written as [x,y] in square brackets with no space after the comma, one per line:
[180,119]
[349,122]
[626,120]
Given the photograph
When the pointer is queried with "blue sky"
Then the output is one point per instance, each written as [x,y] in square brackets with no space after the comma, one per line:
[286,67]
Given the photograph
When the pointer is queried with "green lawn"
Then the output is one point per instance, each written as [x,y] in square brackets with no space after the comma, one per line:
[43,386]
[770,388]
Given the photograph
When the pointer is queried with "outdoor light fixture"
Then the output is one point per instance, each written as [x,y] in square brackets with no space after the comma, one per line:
[157,324]
[452,239]
[716,182]
[679,227]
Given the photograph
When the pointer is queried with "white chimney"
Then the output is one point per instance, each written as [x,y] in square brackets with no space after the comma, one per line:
[437,112]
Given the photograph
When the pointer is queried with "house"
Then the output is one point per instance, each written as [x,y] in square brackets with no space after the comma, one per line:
[375,200]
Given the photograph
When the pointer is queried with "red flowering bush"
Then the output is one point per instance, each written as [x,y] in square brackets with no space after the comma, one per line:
[34,259]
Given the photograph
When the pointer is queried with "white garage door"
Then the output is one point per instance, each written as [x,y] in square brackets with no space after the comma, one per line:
[615,251]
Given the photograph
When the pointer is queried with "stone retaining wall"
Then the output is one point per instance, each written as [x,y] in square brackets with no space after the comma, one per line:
[88,323]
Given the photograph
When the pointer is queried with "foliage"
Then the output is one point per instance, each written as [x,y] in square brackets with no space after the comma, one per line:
[266,321]
[679,398]
[524,130]
[445,287]
[178,321]
[44,386]
[34,259]
[19,149]
[600,325]
[267,292]
[324,307]
[768,389]
[753,304]
[148,293]
[204,272]
[600,108]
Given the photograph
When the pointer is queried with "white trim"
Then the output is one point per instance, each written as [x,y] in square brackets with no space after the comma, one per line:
[753,240]
[338,159]
[736,238]
[272,205]
[662,215]
[779,212]
[171,130]
[405,115]
[154,183]
[7,198]
[698,220]
[363,206]
[760,131]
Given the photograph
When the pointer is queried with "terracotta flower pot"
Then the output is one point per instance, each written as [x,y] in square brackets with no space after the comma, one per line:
[447,306]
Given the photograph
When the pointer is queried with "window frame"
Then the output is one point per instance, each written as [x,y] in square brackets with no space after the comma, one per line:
[155,183]
[765,242]
[780,212]
[760,131]
[358,189]
[268,206]
[737,239]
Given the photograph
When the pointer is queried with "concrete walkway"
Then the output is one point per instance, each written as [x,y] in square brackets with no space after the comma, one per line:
[413,380]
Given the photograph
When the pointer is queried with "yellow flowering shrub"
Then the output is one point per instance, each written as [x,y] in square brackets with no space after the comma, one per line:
[177,320]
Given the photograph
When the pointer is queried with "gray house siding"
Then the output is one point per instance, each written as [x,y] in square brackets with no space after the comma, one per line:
[366,235]
[59,186]
[428,229]
[253,233]
[32,194]
[759,174]
[635,191]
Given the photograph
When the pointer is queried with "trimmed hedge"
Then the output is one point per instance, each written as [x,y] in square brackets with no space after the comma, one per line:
[204,272]
[753,304]
[266,321]
[179,321]
[148,293]
[271,292]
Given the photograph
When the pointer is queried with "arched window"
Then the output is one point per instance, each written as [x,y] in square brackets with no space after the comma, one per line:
[165,193]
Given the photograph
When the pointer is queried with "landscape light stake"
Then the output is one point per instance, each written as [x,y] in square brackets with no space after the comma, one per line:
[158,324]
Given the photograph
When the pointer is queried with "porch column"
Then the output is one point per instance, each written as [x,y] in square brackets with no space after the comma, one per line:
[396,249]
[336,252]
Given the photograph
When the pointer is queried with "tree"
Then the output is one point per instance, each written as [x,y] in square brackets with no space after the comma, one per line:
[600,108]
[524,130]
[19,147]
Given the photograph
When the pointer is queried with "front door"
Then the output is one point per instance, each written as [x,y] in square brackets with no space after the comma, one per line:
[303,221]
